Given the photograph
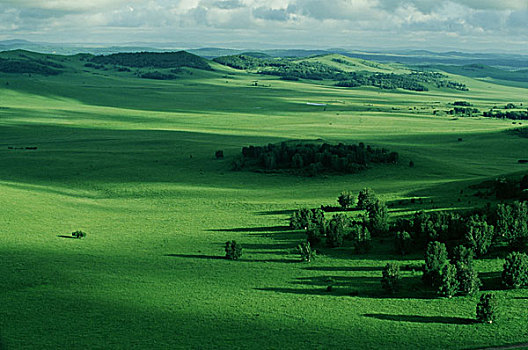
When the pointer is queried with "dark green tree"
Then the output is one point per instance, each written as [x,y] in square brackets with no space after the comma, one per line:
[515,270]
[487,308]
[402,242]
[479,235]
[306,251]
[390,278]
[378,217]
[346,200]
[435,261]
[365,197]
[233,250]
[448,281]
[467,275]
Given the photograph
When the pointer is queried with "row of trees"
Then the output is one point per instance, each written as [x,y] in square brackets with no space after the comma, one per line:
[312,158]
[153,60]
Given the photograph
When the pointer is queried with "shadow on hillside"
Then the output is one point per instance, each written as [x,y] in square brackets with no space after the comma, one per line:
[421,319]
[344,268]
[254,229]
[64,236]
[276,212]
[216,257]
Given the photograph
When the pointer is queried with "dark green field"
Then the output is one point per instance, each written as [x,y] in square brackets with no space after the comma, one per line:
[131,162]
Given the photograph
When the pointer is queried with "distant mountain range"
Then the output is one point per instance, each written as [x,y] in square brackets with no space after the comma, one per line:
[410,57]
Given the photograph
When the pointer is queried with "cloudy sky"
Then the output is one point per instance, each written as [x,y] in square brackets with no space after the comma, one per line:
[472,25]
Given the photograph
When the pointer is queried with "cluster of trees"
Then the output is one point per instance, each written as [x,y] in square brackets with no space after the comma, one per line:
[478,230]
[289,69]
[29,66]
[158,76]
[312,159]
[464,111]
[504,188]
[249,62]
[154,60]
[340,228]
[514,115]
[390,81]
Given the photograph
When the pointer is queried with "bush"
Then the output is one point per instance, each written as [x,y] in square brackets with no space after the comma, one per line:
[78,234]
[233,250]
[515,272]
[403,242]
[301,218]
[448,282]
[365,197]
[219,154]
[512,223]
[390,278]
[346,200]
[360,236]
[435,261]
[487,310]
[479,235]
[467,275]
[306,252]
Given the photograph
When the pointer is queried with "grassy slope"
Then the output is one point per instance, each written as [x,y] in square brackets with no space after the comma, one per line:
[114,159]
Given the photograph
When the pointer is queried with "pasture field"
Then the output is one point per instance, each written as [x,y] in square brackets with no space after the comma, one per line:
[131,162]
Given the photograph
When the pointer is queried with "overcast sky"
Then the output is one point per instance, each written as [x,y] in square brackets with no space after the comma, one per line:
[470,25]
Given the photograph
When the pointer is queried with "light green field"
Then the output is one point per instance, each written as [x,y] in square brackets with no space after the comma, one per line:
[131,162]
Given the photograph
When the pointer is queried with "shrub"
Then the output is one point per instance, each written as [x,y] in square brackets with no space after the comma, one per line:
[378,217]
[403,242]
[78,234]
[390,278]
[345,200]
[306,251]
[515,272]
[365,197]
[301,218]
[233,250]
[435,260]
[448,281]
[360,236]
[487,308]
[219,154]
[479,235]
[467,275]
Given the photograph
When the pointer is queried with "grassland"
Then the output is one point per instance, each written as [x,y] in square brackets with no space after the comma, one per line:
[131,162]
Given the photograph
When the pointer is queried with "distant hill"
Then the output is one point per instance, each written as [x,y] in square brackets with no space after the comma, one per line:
[483,71]
[20,61]
[154,60]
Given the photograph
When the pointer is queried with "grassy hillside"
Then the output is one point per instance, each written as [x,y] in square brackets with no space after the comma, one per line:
[131,162]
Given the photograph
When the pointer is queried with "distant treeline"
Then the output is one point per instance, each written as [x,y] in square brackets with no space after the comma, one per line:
[32,66]
[289,69]
[154,60]
[312,159]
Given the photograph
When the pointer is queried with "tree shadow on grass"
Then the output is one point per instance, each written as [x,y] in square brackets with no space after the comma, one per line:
[343,268]
[421,319]
[277,212]
[64,236]
[491,280]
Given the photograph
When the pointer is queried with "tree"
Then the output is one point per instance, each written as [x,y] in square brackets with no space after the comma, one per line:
[365,197]
[467,275]
[390,278]
[301,218]
[435,260]
[337,230]
[219,154]
[479,235]
[306,252]
[78,234]
[515,270]
[402,242]
[233,250]
[448,281]
[361,238]
[346,199]
[512,223]
[487,308]
[378,217]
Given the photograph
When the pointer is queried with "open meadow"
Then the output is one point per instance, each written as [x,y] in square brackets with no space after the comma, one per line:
[131,162]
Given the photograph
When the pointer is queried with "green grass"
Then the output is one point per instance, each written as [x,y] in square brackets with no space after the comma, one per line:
[114,160]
